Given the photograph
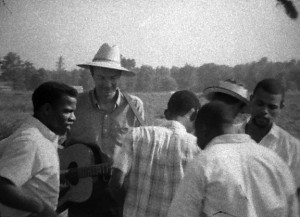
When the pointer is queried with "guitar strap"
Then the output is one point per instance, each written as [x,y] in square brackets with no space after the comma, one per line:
[133,108]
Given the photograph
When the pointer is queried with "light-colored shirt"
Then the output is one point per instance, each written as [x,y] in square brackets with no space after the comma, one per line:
[234,176]
[155,158]
[285,145]
[29,159]
[95,126]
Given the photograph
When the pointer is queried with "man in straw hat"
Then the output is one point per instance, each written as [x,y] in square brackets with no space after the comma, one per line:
[103,115]
[229,92]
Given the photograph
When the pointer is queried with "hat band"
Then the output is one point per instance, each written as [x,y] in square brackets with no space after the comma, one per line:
[106,60]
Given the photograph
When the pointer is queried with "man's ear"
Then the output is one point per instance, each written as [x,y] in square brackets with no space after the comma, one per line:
[167,114]
[282,104]
[251,97]
[192,114]
[46,108]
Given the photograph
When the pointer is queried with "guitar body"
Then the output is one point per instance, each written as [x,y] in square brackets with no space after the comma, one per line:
[77,155]
[75,188]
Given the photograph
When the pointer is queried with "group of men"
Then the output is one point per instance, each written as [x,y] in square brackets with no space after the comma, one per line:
[205,160]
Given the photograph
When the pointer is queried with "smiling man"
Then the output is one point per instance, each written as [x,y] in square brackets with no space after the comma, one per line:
[266,104]
[103,115]
[29,165]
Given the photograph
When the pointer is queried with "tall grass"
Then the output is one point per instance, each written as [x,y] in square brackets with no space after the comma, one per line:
[15,106]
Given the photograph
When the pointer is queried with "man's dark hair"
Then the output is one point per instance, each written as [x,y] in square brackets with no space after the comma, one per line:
[51,92]
[213,116]
[181,102]
[271,86]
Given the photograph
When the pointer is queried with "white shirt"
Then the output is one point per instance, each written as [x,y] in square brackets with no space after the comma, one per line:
[236,177]
[29,159]
[285,145]
[155,158]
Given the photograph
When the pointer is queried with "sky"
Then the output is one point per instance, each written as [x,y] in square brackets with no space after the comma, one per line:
[153,32]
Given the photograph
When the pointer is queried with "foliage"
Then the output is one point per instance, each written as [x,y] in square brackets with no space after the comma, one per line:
[24,76]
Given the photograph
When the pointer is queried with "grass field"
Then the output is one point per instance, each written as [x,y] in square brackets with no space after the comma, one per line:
[14,106]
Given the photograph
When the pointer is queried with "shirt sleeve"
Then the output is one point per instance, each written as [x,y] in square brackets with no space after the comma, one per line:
[122,158]
[188,199]
[293,206]
[140,109]
[295,160]
[18,162]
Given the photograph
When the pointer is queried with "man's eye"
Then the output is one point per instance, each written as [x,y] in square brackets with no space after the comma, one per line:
[259,103]
[273,107]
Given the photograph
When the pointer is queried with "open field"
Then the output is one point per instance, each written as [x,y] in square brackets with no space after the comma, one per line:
[14,106]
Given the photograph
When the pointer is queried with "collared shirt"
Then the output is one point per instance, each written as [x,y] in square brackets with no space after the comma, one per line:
[285,145]
[235,177]
[95,126]
[155,158]
[29,159]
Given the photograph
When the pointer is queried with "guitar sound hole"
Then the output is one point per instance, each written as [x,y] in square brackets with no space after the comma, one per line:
[72,175]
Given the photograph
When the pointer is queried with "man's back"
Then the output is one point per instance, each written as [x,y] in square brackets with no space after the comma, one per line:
[237,177]
[159,156]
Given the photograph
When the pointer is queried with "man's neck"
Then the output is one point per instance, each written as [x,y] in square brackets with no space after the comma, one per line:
[107,104]
[256,133]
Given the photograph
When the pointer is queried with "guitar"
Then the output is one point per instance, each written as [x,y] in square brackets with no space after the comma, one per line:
[78,174]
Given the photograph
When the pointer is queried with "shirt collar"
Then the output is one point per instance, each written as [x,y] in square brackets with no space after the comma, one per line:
[45,131]
[230,138]
[274,131]
[119,101]
[174,126]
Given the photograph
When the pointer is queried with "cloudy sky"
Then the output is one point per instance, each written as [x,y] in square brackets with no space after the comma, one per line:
[153,32]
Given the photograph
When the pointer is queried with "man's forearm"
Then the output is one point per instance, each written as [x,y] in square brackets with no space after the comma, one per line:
[116,185]
[17,198]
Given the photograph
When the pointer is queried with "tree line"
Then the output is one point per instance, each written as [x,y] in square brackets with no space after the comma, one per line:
[22,75]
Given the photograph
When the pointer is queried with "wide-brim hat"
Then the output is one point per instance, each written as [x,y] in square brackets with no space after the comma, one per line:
[235,90]
[108,57]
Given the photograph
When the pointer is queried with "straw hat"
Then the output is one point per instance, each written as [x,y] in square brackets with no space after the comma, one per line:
[108,57]
[228,87]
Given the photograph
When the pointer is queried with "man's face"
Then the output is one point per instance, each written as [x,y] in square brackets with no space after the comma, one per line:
[61,116]
[106,82]
[265,108]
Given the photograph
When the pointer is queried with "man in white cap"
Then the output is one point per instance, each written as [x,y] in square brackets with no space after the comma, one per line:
[231,93]
[103,115]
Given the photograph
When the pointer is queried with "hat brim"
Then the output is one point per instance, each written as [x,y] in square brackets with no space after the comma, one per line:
[210,91]
[109,65]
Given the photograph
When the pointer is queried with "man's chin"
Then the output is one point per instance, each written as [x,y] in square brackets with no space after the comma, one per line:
[262,123]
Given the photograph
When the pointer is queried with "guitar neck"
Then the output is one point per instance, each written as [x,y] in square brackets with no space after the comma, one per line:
[91,171]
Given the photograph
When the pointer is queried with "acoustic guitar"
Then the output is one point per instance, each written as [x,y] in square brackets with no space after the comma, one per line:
[79,172]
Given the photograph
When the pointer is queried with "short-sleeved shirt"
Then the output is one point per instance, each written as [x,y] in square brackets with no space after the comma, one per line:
[29,159]
[285,145]
[234,176]
[154,158]
[95,126]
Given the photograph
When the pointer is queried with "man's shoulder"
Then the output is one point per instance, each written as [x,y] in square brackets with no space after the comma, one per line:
[285,135]
[83,96]
[136,99]
[153,130]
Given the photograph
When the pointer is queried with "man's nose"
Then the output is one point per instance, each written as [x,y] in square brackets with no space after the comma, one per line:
[265,109]
[72,117]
